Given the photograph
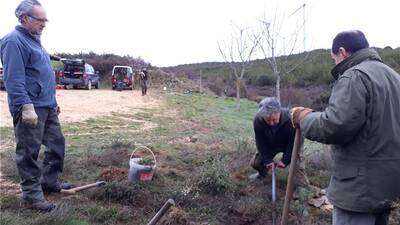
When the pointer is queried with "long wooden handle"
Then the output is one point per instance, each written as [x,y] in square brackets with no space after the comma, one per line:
[81,188]
[289,186]
[162,211]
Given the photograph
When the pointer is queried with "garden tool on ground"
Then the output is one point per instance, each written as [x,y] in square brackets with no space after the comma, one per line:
[73,191]
[170,202]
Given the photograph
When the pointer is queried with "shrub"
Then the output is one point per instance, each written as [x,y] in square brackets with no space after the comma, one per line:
[101,214]
[138,194]
[59,216]
[9,202]
[244,146]
[265,80]
[214,177]
[117,143]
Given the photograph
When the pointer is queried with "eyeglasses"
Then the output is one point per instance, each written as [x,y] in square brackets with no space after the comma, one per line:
[42,20]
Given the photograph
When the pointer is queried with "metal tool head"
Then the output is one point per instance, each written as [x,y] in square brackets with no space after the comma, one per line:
[101,183]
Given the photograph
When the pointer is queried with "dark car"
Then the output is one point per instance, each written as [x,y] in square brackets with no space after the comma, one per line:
[122,77]
[77,73]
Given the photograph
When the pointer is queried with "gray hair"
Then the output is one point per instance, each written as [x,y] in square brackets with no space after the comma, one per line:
[24,8]
[268,106]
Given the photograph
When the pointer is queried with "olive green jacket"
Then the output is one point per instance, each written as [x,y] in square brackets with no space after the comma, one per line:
[362,122]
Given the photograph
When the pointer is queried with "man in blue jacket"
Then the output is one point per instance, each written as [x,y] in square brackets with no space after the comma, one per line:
[30,84]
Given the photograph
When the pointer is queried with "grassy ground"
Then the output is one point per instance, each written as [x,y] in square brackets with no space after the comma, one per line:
[202,145]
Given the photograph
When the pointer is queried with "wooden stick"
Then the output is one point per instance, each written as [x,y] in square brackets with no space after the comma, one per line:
[162,211]
[73,191]
[289,186]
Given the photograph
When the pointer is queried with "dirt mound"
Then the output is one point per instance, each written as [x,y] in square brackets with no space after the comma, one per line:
[237,217]
[176,216]
[113,157]
[114,174]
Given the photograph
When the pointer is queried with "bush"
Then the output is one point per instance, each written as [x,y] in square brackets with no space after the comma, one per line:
[245,146]
[214,177]
[217,85]
[117,143]
[11,202]
[7,218]
[265,80]
[59,216]
[101,214]
[116,192]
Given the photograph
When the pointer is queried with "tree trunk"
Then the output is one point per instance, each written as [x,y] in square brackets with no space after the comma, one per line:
[278,87]
[238,82]
[201,85]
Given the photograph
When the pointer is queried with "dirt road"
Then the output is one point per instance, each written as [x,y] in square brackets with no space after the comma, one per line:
[79,105]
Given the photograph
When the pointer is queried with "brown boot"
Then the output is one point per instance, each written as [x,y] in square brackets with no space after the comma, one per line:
[41,206]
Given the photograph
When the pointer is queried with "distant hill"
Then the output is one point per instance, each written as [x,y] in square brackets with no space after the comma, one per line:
[315,71]
[309,84]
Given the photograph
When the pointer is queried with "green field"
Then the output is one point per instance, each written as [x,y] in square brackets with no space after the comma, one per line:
[203,146]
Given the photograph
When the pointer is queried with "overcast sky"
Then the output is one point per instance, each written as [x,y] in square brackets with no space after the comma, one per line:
[171,32]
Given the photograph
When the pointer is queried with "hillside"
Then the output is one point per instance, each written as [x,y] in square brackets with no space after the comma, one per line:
[309,84]
[314,71]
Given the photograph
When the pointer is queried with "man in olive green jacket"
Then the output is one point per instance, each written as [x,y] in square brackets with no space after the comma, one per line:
[362,122]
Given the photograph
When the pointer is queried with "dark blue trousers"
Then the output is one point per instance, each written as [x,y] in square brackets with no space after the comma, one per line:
[29,140]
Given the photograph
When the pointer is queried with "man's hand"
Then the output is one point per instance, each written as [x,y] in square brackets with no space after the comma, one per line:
[280,164]
[297,114]
[270,166]
[58,110]
[29,116]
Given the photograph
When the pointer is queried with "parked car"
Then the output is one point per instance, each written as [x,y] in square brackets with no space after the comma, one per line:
[122,77]
[2,86]
[77,73]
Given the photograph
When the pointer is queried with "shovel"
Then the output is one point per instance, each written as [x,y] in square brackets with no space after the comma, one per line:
[273,195]
[162,211]
[289,186]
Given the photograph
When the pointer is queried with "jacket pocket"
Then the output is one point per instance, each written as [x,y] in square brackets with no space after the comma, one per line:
[345,172]
[33,87]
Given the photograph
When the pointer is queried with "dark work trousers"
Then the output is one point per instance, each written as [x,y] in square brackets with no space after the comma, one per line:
[144,84]
[344,217]
[29,140]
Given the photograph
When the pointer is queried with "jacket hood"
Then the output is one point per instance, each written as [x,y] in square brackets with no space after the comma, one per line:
[355,59]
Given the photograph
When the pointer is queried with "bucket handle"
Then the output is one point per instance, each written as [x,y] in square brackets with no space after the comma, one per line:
[146,148]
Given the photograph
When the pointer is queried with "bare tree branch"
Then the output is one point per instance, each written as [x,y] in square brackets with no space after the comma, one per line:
[241,49]
[277,46]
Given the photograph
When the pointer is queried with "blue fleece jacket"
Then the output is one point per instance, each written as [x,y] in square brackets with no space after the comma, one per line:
[28,75]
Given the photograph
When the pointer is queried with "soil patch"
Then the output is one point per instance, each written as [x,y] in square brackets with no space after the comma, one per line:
[176,216]
[114,174]
[80,105]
